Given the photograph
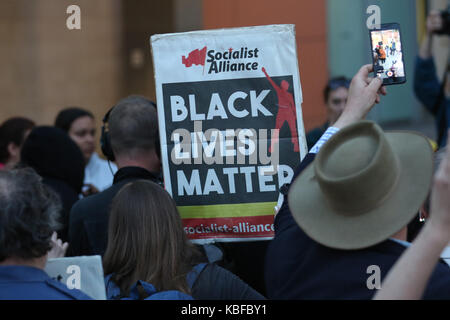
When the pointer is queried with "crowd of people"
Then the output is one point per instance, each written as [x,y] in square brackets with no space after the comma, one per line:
[352,205]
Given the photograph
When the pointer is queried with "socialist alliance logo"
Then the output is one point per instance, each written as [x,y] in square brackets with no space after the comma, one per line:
[196,57]
[230,60]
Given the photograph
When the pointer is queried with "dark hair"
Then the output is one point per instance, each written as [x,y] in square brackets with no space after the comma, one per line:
[13,130]
[335,83]
[29,211]
[133,124]
[53,154]
[66,117]
[146,240]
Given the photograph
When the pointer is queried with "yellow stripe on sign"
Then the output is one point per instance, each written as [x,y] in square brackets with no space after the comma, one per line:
[228,210]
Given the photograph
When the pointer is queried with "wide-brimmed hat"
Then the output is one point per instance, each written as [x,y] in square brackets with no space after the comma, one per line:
[364,186]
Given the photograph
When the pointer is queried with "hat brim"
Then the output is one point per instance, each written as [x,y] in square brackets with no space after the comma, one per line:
[318,220]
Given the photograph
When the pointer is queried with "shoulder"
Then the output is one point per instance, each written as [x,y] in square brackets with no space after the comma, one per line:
[61,187]
[215,282]
[97,200]
[67,194]
[65,291]
[213,271]
[78,210]
[317,132]
[94,205]
[29,283]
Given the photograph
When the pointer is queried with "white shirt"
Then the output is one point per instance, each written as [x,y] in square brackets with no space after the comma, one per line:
[98,172]
[445,255]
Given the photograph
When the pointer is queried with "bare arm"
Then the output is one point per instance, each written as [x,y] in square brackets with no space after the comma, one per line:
[270,79]
[425,47]
[434,22]
[364,92]
[410,274]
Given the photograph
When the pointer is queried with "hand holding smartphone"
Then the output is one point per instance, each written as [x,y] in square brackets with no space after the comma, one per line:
[387,54]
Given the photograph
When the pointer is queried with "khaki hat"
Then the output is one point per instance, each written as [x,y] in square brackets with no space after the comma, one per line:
[364,186]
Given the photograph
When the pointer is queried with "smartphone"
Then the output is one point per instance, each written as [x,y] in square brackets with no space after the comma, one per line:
[387,53]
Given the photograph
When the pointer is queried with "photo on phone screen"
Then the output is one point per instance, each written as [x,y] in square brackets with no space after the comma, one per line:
[387,54]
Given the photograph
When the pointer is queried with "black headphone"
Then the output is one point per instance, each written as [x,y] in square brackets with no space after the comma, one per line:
[105,143]
[105,140]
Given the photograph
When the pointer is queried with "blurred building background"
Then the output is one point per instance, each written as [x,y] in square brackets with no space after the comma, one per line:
[45,67]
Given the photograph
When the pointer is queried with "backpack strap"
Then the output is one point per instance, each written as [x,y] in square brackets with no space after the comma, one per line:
[194,273]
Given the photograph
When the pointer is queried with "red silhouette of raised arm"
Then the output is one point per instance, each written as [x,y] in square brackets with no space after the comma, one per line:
[270,80]
[286,112]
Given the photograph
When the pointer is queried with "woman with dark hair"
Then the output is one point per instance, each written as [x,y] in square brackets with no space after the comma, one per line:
[79,124]
[12,135]
[59,161]
[147,248]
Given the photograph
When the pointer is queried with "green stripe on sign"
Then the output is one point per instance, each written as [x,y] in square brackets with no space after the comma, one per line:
[228,210]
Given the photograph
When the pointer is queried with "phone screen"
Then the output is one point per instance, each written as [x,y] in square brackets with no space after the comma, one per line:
[387,53]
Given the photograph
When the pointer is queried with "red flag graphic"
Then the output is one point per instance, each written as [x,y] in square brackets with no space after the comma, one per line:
[196,57]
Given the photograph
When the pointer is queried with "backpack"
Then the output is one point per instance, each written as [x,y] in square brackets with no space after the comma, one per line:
[146,291]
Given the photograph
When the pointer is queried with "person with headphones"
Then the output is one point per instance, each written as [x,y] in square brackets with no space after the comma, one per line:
[129,138]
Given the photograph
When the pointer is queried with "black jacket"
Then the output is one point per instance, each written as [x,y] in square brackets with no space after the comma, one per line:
[217,283]
[297,267]
[89,217]
[59,161]
[314,135]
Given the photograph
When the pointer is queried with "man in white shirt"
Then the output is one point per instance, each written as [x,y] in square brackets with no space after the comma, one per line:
[99,173]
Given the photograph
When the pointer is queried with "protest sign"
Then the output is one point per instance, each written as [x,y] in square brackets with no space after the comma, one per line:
[84,273]
[231,128]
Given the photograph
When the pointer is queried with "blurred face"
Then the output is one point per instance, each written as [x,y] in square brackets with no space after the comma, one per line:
[336,103]
[284,85]
[82,131]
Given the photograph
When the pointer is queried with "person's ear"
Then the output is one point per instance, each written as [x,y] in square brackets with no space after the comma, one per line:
[13,150]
